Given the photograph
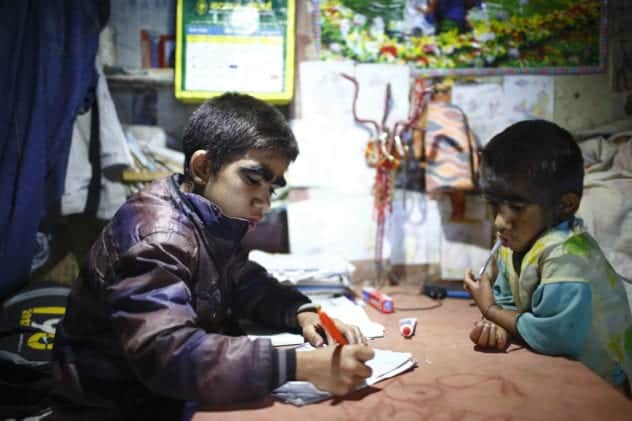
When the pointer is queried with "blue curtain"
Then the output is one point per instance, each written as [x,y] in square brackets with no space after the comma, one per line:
[47,53]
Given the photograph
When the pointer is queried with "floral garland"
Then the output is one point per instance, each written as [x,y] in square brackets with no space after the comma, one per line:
[517,42]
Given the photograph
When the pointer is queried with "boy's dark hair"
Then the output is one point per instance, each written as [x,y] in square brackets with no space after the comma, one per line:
[232,124]
[535,157]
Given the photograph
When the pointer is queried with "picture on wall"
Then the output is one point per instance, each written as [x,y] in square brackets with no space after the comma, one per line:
[475,37]
[235,45]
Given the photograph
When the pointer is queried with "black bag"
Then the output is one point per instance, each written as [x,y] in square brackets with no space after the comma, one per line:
[28,321]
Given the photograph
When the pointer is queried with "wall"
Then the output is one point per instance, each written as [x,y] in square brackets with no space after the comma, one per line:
[586,101]
[581,101]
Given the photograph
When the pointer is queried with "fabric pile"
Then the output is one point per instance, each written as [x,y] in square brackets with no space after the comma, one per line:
[606,205]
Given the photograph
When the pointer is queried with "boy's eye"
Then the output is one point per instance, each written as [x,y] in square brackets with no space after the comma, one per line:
[517,207]
[514,206]
[252,179]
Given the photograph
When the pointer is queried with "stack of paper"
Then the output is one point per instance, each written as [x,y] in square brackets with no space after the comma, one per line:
[351,313]
[385,364]
[313,275]
[304,269]
[338,307]
[277,339]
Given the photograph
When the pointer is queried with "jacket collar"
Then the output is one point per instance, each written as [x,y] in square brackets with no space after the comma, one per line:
[215,222]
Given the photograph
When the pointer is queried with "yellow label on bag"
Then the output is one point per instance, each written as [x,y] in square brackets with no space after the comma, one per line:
[44,319]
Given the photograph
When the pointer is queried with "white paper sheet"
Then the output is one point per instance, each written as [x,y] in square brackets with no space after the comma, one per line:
[325,95]
[351,313]
[277,339]
[340,308]
[529,97]
[297,268]
[484,106]
[491,107]
[385,364]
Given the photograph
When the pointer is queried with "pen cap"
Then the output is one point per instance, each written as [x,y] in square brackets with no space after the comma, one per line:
[407,327]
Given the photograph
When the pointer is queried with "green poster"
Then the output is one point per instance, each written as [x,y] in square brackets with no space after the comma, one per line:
[235,45]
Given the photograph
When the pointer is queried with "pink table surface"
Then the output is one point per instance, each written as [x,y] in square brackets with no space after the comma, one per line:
[453,381]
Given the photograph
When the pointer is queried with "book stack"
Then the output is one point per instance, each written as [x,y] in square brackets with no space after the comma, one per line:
[317,276]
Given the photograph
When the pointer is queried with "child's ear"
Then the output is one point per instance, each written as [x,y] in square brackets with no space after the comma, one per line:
[569,203]
[199,167]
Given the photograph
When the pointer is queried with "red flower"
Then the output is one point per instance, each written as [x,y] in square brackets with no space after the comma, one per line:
[388,50]
[422,61]
[430,48]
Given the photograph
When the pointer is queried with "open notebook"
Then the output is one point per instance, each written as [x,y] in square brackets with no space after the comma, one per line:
[385,364]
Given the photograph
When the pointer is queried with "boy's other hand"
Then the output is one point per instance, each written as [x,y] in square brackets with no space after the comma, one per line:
[335,369]
[488,335]
[316,335]
[480,290]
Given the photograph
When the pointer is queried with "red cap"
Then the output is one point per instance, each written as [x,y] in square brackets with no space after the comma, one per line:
[406,330]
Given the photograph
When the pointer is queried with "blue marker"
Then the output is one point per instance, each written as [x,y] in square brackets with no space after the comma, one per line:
[455,293]
[437,292]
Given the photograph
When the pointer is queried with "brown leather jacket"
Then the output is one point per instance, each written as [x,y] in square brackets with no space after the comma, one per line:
[152,322]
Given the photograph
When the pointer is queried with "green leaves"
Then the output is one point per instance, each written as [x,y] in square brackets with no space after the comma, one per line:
[387,9]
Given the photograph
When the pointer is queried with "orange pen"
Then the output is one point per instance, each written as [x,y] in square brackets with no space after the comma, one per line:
[331,328]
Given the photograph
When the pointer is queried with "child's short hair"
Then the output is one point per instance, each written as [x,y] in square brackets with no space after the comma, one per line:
[232,124]
[536,157]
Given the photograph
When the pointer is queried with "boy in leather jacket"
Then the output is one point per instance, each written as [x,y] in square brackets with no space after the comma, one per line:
[151,323]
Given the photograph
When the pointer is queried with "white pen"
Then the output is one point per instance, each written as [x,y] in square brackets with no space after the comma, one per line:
[497,245]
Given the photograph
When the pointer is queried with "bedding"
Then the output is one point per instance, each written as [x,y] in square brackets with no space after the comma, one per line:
[606,205]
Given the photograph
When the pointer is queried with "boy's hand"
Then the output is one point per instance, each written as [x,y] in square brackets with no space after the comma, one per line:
[481,290]
[335,369]
[316,335]
[489,335]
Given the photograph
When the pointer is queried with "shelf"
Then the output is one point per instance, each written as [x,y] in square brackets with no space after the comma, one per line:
[141,78]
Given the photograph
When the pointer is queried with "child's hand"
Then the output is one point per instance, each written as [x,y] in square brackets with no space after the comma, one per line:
[489,335]
[335,369]
[316,335]
[481,290]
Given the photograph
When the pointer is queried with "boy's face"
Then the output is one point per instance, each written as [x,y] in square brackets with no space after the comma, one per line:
[518,223]
[243,187]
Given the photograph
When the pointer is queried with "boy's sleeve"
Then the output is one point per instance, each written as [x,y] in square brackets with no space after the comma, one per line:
[260,297]
[502,291]
[153,316]
[561,309]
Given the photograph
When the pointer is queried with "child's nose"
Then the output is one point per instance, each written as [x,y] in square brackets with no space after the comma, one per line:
[263,198]
[504,218]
